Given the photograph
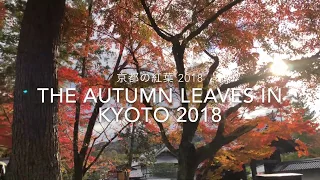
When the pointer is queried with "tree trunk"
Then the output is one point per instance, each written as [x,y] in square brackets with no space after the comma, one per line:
[34,132]
[187,162]
[78,171]
[130,155]
[79,157]
[186,171]
[253,167]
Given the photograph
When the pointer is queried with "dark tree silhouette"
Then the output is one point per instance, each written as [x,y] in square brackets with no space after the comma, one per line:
[35,144]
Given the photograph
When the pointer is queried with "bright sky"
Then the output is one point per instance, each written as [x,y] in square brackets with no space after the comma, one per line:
[280,68]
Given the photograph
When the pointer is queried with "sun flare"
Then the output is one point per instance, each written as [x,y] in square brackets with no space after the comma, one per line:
[279,67]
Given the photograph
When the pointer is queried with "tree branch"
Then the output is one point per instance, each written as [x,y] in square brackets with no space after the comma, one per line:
[193,126]
[187,27]
[102,148]
[90,127]
[212,69]
[153,22]
[162,131]
[207,22]
[116,67]
[213,147]
[94,140]
[222,123]
[220,140]
[238,132]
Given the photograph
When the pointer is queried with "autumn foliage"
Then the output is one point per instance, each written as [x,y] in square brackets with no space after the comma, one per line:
[220,40]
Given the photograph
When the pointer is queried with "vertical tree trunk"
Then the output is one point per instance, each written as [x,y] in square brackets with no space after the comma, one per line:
[187,152]
[78,170]
[186,171]
[244,172]
[253,167]
[35,143]
[130,155]
[187,162]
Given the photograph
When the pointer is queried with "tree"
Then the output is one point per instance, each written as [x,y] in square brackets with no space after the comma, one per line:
[77,122]
[78,28]
[11,15]
[231,30]
[301,101]
[259,143]
[144,32]
[139,140]
[35,144]
[83,66]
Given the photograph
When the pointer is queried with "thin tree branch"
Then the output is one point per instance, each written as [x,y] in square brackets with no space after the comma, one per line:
[162,131]
[187,27]
[154,25]
[212,69]
[103,147]
[90,127]
[238,132]
[193,127]
[94,140]
[213,147]
[220,140]
[207,22]
[222,122]
[6,115]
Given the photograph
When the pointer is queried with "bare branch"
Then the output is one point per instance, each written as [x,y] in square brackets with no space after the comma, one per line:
[103,147]
[166,9]
[94,140]
[136,63]
[206,82]
[247,79]
[143,21]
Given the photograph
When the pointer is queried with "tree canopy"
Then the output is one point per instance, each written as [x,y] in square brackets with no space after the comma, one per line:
[221,41]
